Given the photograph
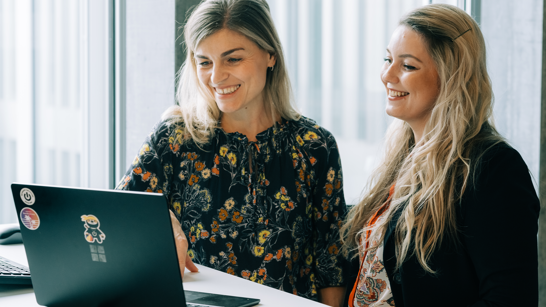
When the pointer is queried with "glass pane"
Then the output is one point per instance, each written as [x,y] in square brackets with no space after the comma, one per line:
[15,114]
[149,60]
[57,90]
[41,127]
[516,42]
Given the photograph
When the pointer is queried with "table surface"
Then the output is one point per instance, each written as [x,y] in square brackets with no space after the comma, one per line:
[206,280]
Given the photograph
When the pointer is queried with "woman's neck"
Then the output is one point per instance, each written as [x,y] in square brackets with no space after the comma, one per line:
[417,135]
[247,122]
[418,129]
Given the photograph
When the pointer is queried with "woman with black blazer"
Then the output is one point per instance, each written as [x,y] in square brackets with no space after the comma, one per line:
[449,218]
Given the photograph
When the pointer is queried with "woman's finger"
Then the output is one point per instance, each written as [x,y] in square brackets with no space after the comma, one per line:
[190,265]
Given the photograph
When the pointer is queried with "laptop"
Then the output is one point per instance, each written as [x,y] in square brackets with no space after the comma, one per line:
[104,248]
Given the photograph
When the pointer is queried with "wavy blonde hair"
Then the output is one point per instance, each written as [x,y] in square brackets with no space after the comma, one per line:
[196,106]
[431,176]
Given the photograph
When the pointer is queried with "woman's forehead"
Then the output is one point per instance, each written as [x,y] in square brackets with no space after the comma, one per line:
[222,41]
[405,40]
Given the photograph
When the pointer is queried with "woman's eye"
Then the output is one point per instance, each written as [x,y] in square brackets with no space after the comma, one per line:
[409,67]
[204,63]
[387,60]
[234,60]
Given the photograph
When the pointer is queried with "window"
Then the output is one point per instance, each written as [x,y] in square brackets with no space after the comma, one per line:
[146,86]
[513,34]
[54,101]
[12,130]
[55,88]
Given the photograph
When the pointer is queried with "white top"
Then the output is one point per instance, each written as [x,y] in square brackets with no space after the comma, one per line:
[373,288]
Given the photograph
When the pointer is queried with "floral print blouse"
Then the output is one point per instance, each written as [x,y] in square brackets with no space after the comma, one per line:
[268,211]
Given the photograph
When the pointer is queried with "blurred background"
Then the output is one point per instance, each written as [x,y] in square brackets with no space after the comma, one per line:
[82,82]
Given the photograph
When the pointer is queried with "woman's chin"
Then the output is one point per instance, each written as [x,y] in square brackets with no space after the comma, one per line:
[393,112]
[227,107]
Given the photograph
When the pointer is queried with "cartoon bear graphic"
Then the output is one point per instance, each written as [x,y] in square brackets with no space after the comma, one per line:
[92,232]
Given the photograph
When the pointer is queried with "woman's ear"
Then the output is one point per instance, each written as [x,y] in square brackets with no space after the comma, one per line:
[272,60]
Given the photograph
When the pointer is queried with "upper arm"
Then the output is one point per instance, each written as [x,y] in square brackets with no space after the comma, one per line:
[328,204]
[151,169]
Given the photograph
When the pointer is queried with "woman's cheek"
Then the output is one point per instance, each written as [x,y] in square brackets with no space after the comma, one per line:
[202,77]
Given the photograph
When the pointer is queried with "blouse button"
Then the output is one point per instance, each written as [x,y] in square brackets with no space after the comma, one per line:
[397,278]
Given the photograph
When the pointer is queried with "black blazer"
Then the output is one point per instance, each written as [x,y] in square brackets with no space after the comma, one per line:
[496,262]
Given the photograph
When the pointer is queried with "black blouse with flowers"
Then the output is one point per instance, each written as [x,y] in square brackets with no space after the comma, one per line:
[277,225]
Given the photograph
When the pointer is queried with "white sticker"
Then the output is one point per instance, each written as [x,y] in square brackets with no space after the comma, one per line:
[27,196]
[30,218]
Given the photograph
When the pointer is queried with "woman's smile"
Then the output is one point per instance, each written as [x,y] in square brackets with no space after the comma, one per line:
[396,95]
[224,92]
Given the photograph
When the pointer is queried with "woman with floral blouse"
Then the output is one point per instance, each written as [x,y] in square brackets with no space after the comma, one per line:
[256,187]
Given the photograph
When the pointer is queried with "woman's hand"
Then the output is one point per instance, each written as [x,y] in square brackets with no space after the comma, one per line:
[332,296]
[184,261]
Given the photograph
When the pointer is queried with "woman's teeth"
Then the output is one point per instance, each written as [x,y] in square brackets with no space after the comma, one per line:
[397,94]
[227,90]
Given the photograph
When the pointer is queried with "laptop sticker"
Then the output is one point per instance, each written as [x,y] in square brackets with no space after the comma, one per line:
[92,232]
[30,218]
[27,196]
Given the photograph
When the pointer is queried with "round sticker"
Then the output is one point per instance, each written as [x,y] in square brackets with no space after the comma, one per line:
[30,218]
[27,196]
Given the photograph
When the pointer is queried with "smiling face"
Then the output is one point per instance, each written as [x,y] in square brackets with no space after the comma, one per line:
[410,78]
[233,69]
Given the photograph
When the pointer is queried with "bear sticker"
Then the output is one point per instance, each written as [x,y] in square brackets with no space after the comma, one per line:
[92,232]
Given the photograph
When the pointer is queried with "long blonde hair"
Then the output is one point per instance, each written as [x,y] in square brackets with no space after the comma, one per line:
[431,176]
[196,106]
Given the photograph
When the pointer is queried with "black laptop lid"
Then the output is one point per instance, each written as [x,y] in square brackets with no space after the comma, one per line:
[86,247]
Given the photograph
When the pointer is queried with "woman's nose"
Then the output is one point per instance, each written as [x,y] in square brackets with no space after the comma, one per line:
[219,74]
[388,74]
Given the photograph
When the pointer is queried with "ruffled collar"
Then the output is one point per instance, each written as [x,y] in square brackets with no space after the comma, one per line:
[278,131]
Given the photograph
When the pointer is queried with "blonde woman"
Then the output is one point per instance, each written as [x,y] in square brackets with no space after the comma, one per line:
[255,188]
[450,216]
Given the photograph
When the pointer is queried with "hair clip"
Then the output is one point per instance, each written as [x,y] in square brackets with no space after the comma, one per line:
[453,39]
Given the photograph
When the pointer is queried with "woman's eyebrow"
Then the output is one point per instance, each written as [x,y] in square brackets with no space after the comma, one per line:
[222,55]
[406,55]
[231,51]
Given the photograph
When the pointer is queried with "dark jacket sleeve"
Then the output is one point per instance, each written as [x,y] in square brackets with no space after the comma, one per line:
[499,229]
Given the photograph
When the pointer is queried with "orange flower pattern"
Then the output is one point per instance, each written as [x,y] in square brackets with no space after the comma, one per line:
[268,211]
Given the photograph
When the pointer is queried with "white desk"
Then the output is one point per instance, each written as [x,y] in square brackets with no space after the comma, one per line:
[206,280]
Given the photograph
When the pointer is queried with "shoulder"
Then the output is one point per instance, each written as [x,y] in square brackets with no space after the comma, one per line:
[496,159]
[310,132]
[501,177]
[495,152]
[169,133]
[316,143]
